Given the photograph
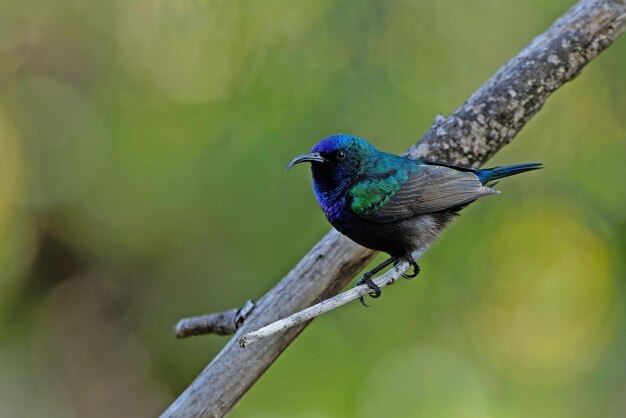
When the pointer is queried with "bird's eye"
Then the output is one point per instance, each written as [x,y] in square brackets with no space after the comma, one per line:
[341,155]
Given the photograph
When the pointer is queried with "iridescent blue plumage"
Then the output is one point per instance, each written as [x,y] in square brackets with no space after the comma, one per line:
[391,203]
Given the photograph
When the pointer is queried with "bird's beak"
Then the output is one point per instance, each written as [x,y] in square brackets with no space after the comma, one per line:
[313,157]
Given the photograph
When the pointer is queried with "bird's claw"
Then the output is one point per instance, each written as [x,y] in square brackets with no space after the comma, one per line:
[416,269]
[376,292]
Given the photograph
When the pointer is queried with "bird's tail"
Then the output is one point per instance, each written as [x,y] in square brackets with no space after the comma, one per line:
[490,174]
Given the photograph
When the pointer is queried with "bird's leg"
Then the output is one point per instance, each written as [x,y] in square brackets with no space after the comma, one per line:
[416,268]
[367,279]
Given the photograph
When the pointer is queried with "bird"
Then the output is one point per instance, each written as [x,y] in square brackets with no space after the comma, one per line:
[392,203]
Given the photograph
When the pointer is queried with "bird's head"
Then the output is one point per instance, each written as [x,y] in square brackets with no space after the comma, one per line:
[335,162]
[339,154]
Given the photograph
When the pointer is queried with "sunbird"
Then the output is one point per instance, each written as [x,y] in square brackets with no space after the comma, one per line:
[391,203]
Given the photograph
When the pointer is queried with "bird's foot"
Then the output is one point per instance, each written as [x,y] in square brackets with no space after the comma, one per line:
[416,269]
[367,279]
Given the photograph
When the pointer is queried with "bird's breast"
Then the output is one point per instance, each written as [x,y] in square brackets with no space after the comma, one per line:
[336,212]
[333,203]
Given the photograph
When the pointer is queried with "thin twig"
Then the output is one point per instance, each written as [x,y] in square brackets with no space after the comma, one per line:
[305,315]
[220,323]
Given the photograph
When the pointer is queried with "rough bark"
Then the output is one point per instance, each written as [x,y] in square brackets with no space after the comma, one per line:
[471,135]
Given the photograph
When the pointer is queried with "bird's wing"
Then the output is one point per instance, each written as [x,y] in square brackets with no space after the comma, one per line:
[414,191]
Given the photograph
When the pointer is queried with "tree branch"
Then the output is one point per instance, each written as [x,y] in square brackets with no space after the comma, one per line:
[471,135]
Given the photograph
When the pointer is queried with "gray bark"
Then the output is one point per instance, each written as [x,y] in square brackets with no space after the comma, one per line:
[471,135]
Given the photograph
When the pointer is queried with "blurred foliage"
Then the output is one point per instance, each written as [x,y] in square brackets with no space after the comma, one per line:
[142,148]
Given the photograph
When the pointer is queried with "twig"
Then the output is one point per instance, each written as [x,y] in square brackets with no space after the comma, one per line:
[471,135]
[305,315]
[221,323]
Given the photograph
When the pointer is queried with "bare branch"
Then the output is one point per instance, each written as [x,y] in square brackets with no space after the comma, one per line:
[471,135]
[305,315]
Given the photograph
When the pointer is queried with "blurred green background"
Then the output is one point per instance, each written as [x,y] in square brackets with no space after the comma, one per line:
[142,154]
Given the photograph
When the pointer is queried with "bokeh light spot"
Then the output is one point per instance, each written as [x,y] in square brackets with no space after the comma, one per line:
[546,316]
